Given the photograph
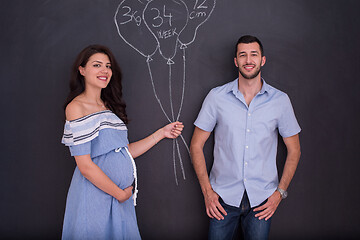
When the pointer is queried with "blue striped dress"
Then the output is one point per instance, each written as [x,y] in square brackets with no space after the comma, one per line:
[91,213]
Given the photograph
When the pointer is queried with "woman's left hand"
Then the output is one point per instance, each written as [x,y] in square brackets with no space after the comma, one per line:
[173,130]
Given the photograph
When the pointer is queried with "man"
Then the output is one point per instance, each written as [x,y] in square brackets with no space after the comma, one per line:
[247,114]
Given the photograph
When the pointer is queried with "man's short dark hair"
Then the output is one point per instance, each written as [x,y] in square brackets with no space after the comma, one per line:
[249,39]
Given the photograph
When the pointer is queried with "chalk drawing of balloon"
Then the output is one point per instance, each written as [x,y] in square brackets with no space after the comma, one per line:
[198,14]
[132,29]
[166,19]
[169,26]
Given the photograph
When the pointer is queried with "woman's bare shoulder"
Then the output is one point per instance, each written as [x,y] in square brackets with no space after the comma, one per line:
[74,110]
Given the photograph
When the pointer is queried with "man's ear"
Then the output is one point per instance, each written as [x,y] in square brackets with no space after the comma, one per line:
[236,64]
[263,61]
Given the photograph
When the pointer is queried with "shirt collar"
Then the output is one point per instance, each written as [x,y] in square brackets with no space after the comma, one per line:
[265,87]
[235,88]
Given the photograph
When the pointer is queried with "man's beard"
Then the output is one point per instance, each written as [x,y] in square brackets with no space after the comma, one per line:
[249,76]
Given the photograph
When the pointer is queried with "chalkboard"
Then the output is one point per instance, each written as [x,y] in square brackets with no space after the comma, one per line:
[312,50]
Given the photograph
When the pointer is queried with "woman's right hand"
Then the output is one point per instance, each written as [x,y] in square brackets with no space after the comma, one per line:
[172,130]
[127,194]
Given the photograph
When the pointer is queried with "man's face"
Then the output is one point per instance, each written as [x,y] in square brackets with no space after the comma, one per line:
[249,60]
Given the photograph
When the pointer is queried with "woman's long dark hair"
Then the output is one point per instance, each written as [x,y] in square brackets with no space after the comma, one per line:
[112,94]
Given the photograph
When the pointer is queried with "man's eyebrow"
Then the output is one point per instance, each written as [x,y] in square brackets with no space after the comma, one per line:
[253,51]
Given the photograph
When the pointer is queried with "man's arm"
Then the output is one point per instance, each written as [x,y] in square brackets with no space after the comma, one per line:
[292,160]
[198,160]
[293,156]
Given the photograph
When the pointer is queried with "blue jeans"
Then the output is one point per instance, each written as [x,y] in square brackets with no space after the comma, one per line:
[252,228]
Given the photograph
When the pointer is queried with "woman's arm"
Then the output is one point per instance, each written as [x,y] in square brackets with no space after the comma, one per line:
[97,177]
[88,168]
[172,130]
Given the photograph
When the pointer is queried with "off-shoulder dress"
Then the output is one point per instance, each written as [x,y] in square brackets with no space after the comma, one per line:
[91,213]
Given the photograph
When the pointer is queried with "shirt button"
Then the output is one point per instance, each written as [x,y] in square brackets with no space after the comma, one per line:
[244,179]
[246,163]
[248,130]
[249,114]
[246,146]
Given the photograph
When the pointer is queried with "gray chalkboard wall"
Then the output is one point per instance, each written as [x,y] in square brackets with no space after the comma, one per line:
[312,50]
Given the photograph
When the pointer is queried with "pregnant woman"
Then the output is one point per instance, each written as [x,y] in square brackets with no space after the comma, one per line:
[99,203]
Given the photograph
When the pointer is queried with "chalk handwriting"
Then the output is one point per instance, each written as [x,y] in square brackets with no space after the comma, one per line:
[166,26]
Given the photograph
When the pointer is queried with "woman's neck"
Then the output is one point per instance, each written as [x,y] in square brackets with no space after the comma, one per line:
[92,95]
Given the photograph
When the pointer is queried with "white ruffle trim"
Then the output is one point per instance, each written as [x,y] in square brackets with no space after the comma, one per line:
[87,128]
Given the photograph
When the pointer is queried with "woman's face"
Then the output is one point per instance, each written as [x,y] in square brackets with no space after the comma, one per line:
[97,71]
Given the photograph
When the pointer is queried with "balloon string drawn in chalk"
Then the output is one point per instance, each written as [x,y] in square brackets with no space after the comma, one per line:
[164,27]
[156,96]
[170,93]
[183,87]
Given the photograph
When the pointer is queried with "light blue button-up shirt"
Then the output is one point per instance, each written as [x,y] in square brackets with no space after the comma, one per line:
[246,140]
